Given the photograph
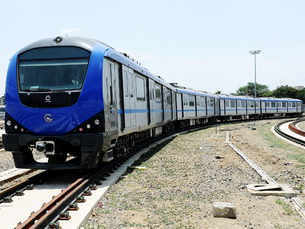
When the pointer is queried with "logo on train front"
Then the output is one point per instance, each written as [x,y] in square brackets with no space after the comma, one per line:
[47,99]
[48,118]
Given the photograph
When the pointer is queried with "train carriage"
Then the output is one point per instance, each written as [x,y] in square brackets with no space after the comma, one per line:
[79,97]
[80,102]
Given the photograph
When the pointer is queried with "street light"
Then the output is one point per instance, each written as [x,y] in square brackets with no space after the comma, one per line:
[254,53]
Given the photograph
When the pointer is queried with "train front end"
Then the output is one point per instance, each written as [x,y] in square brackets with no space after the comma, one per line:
[54,105]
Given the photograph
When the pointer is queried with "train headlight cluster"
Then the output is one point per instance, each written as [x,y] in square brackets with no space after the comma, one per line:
[97,122]
[11,126]
[8,122]
[92,125]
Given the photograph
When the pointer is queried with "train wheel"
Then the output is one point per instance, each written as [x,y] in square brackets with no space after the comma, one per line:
[55,159]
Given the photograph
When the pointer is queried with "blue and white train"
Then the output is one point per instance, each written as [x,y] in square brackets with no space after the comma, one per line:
[81,102]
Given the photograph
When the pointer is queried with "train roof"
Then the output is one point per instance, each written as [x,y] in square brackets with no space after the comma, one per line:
[270,99]
[234,97]
[267,99]
[90,44]
[194,92]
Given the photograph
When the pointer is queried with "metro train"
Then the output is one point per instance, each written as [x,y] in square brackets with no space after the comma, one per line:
[80,102]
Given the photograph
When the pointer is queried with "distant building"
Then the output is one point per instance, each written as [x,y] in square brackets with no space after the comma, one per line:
[299,87]
[2,100]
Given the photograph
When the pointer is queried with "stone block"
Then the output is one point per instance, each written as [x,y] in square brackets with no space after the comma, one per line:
[224,209]
[271,190]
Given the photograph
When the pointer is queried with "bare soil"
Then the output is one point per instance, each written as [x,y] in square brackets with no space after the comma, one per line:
[301,125]
[6,160]
[181,180]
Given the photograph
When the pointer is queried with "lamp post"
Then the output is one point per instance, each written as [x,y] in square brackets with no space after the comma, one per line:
[254,53]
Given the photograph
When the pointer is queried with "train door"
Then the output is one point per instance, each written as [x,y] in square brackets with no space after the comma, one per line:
[140,98]
[132,98]
[174,107]
[179,106]
[216,106]
[263,107]
[129,97]
[223,106]
[110,75]
[152,101]
[126,96]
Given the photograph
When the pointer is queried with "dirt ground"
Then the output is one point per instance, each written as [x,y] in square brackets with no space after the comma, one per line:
[181,180]
[6,160]
[301,125]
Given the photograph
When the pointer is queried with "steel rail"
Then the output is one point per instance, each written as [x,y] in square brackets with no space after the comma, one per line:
[18,188]
[293,128]
[287,136]
[50,210]
[16,176]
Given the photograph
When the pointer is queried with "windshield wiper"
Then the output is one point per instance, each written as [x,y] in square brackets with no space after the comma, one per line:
[37,90]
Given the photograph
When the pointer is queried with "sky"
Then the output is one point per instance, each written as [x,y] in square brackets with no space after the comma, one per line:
[201,44]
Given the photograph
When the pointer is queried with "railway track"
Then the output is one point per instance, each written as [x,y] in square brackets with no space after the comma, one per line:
[298,202]
[59,208]
[16,185]
[293,128]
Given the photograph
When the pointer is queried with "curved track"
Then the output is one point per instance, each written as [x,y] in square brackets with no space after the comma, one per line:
[59,206]
[293,128]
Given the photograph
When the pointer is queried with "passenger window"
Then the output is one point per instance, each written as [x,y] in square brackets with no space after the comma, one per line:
[203,101]
[108,76]
[243,103]
[158,93]
[125,84]
[211,102]
[168,98]
[151,93]
[192,101]
[227,102]
[140,88]
[232,103]
[238,103]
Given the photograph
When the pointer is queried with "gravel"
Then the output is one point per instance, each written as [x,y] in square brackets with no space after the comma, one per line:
[181,181]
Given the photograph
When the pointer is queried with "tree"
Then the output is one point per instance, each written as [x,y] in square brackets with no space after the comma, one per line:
[289,92]
[261,90]
[301,95]
[285,92]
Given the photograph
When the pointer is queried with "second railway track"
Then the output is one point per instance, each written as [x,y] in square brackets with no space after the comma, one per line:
[42,203]
[292,127]
[51,205]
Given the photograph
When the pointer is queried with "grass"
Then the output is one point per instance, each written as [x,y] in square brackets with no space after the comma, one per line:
[277,143]
[277,226]
[298,157]
[286,207]
[273,140]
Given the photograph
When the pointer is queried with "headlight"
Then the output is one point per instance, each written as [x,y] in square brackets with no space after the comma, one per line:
[92,125]
[12,127]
